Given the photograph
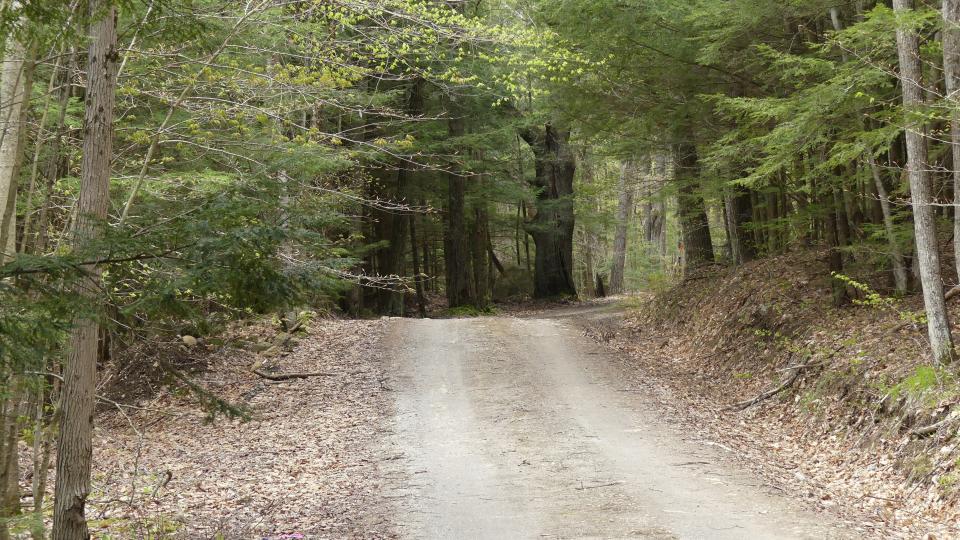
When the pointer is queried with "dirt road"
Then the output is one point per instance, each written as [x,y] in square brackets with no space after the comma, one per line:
[523,428]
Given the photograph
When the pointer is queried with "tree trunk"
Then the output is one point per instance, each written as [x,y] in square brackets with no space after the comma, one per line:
[951,70]
[588,239]
[628,173]
[739,215]
[911,77]
[834,255]
[15,83]
[896,254]
[57,162]
[456,249]
[74,448]
[694,226]
[552,226]
[479,245]
[417,272]
[654,211]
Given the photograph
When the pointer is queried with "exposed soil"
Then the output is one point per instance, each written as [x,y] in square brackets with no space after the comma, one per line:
[521,428]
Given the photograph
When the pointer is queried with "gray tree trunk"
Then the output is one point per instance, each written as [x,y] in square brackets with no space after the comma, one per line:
[75,445]
[653,209]
[951,71]
[14,83]
[900,278]
[925,229]
[627,184]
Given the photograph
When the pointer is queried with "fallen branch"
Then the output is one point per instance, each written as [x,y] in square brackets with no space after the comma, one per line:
[952,293]
[769,393]
[933,428]
[289,376]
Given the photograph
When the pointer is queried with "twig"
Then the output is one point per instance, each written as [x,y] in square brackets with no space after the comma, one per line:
[582,487]
[769,393]
[288,376]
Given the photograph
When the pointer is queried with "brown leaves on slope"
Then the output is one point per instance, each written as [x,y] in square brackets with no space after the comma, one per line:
[834,438]
[307,462]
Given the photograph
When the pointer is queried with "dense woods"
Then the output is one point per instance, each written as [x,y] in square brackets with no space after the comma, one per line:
[168,167]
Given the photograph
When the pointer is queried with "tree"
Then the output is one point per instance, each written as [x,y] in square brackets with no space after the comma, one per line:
[928,256]
[74,448]
[628,173]
[15,84]
[552,226]
[951,75]
[694,226]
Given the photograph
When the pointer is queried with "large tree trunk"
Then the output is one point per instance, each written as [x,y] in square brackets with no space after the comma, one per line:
[552,226]
[951,71]
[15,83]
[75,446]
[456,249]
[694,226]
[628,174]
[911,77]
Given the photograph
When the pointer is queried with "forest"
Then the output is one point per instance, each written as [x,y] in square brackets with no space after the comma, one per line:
[171,169]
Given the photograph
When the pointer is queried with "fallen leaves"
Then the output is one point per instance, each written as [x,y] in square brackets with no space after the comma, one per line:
[306,463]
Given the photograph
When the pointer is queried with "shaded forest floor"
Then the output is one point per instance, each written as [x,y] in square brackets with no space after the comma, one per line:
[306,463]
[850,431]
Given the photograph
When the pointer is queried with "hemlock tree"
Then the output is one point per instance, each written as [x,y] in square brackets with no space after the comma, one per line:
[75,444]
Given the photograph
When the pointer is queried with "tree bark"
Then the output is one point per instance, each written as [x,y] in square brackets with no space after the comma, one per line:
[628,173]
[74,448]
[928,257]
[456,252]
[739,216]
[694,226]
[15,83]
[552,226]
[900,278]
[951,71]
[417,272]
[653,210]
[57,162]
[479,246]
